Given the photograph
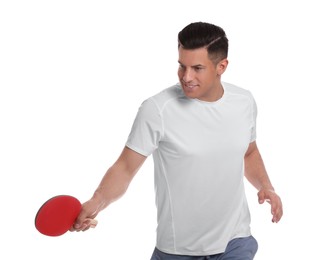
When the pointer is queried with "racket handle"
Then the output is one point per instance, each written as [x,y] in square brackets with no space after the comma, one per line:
[93,223]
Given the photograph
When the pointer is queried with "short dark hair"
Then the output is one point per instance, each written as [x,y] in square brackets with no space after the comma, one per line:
[199,34]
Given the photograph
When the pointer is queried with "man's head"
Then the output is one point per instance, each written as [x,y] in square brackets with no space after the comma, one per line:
[205,35]
[202,50]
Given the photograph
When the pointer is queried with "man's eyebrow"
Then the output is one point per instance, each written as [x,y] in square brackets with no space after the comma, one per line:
[193,66]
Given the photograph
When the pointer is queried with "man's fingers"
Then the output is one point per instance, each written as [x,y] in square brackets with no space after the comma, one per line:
[276,204]
[85,225]
[261,197]
[276,210]
[277,213]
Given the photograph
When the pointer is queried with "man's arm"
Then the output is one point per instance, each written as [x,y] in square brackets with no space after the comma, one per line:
[112,186]
[256,174]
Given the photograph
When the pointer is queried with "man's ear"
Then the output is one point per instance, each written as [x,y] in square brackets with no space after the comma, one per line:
[221,66]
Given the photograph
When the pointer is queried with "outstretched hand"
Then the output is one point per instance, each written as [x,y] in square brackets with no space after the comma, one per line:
[274,200]
[86,218]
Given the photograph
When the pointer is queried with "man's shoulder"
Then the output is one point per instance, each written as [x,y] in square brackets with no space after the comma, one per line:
[174,91]
[236,90]
[171,93]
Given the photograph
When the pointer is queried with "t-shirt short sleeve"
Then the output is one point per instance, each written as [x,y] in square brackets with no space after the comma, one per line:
[146,130]
[254,119]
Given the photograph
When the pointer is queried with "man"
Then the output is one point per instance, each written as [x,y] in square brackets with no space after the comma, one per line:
[201,133]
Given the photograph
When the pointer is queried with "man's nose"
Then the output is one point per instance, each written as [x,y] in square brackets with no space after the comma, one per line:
[188,75]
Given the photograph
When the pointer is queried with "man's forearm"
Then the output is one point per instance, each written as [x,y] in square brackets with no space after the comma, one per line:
[255,170]
[118,177]
[113,186]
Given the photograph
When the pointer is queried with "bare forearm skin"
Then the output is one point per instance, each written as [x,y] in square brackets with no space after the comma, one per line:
[118,177]
[256,174]
[255,170]
[113,186]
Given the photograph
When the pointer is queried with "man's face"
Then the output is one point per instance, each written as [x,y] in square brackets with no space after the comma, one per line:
[199,76]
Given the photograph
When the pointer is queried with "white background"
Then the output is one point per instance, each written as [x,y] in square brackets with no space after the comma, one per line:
[72,76]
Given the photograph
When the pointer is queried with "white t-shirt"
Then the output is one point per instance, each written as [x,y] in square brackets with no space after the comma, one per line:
[198,150]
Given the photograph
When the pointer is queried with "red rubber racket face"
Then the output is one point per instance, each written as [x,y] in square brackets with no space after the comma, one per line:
[56,216]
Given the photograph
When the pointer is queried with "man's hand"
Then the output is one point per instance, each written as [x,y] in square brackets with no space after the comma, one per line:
[274,200]
[86,217]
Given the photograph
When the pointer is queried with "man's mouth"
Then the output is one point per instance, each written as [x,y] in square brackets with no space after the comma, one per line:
[189,86]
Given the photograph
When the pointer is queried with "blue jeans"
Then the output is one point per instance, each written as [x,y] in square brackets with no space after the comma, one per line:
[243,248]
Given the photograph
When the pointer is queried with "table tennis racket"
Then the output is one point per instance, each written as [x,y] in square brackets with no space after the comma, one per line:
[57,215]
